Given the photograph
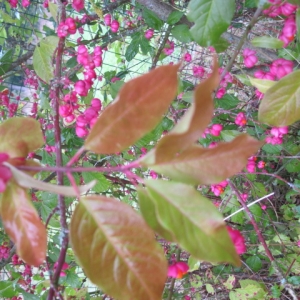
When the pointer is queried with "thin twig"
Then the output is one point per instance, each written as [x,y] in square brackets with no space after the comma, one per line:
[171,289]
[161,47]
[241,42]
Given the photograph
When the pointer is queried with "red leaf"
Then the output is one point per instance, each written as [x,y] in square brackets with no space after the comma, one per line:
[23,225]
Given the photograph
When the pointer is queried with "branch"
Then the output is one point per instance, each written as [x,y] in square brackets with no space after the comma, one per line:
[241,42]
[287,286]
[161,47]
[59,161]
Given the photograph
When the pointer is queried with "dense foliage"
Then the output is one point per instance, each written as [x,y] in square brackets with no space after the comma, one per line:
[149,150]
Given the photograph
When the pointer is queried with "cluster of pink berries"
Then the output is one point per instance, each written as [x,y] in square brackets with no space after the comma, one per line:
[223,84]
[187,57]
[12,107]
[31,79]
[286,9]
[216,129]
[169,47]
[240,119]
[14,3]
[78,5]
[5,173]
[219,188]
[276,135]
[66,27]
[250,58]
[88,118]
[89,62]
[251,165]
[198,71]
[113,24]
[278,69]
[149,34]
[4,251]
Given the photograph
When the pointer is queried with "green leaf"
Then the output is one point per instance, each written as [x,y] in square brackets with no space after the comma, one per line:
[147,207]
[194,220]
[23,225]
[174,17]
[227,102]
[19,136]
[117,249]
[182,33]
[115,88]
[281,103]
[5,61]
[188,97]
[294,280]
[230,282]
[221,45]
[7,289]
[144,45]
[254,262]
[267,42]
[298,23]
[53,10]
[251,3]
[256,212]
[193,264]
[151,19]
[197,165]
[293,166]
[209,288]
[28,296]
[132,50]
[7,18]
[42,58]
[262,84]
[124,122]
[211,17]
[229,135]
[102,184]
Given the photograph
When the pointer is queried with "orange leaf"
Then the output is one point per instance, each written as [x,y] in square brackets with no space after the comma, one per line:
[139,106]
[23,225]
[191,126]
[117,249]
[198,165]
[19,136]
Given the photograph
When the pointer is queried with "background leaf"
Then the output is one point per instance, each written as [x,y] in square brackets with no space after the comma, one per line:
[267,42]
[19,136]
[281,103]
[124,122]
[262,84]
[182,33]
[42,57]
[211,19]
[23,225]
[195,222]
[117,249]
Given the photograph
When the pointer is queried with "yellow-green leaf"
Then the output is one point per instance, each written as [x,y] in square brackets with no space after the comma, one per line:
[42,58]
[117,249]
[281,103]
[262,84]
[19,136]
[23,224]
[195,222]
[137,109]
